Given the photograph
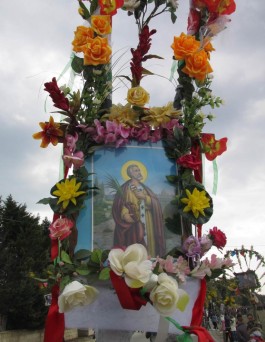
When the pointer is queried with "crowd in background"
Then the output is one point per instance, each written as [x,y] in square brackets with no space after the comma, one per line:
[237,325]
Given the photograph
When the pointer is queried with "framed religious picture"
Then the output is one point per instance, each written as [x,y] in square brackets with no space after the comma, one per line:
[133,200]
[246,280]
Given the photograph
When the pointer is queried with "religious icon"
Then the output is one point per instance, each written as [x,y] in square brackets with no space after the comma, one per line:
[137,212]
[132,202]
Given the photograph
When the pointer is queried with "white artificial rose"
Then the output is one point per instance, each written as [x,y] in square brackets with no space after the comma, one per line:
[166,297]
[137,274]
[115,260]
[76,294]
[135,252]
[132,263]
[152,282]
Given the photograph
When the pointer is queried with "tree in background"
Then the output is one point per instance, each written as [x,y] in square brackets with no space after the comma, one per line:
[24,252]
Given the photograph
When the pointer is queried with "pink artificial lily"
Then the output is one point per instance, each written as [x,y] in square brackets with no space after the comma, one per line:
[76,159]
[71,141]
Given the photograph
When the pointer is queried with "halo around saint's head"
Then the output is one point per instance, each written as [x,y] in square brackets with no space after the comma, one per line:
[133,162]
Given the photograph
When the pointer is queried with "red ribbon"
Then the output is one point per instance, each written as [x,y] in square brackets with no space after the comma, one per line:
[202,333]
[54,325]
[197,311]
[129,298]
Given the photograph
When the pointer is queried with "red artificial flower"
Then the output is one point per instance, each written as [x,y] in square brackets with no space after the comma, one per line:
[139,54]
[220,7]
[61,228]
[109,7]
[59,100]
[50,133]
[193,21]
[189,161]
[213,148]
[218,237]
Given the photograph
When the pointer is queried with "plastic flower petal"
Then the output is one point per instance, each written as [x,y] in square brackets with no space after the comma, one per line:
[82,34]
[115,260]
[166,296]
[218,237]
[197,65]
[57,96]
[50,133]
[135,252]
[76,294]
[213,147]
[110,6]
[184,45]
[67,191]
[132,264]
[61,228]
[101,24]
[196,202]
[137,274]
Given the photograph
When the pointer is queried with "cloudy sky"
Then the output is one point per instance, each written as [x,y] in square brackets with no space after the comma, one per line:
[36,45]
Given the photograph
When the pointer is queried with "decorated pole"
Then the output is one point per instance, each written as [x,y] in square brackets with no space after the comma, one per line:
[122,249]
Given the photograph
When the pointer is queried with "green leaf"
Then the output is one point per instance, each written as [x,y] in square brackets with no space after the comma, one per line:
[64,281]
[86,14]
[77,64]
[104,274]
[65,257]
[184,338]
[173,17]
[83,272]
[82,254]
[172,179]
[96,256]
[41,280]
[44,200]
[94,6]
[147,72]
[152,56]
[127,77]
[183,300]
[82,174]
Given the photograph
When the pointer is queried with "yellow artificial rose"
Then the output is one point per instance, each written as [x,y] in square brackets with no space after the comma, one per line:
[138,96]
[197,65]
[101,24]
[123,114]
[82,34]
[184,45]
[157,116]
[76,294]
[97,51]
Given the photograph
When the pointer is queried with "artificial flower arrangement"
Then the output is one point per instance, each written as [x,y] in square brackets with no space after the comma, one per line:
[90,119]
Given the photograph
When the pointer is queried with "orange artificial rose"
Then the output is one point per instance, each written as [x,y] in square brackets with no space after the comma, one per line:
[184,45]
[197,65]
[208,48]
[97,51]
[101,24]
[82,34]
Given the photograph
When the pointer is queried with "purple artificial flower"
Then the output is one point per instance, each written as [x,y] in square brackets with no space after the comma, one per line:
[191,246]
